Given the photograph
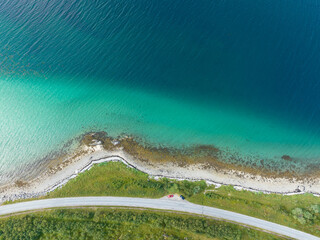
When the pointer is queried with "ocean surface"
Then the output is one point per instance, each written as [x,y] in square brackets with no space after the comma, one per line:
[241,75]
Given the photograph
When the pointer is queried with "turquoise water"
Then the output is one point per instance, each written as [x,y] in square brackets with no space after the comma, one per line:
[243,76]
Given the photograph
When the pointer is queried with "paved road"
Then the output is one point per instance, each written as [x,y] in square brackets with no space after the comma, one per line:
[165,204]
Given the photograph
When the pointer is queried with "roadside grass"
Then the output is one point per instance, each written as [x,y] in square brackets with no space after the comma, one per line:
[295,211]
[107,223]
[116,179]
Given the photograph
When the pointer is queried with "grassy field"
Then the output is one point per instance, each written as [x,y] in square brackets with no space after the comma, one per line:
[111,179]
[107,223]
[297,211]
[115,179]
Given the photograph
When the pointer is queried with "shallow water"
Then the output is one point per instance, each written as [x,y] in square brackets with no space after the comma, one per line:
[243,76]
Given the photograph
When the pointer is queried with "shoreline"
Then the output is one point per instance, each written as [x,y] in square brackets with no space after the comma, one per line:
[87,156]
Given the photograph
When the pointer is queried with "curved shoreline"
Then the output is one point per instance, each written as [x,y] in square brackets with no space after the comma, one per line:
[49,181]
[116,158]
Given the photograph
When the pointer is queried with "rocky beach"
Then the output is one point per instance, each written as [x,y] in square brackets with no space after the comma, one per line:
[93,150]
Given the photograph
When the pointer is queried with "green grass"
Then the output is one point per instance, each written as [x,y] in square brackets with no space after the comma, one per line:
[115,179]
[111,179]
[296,211]
[106,223]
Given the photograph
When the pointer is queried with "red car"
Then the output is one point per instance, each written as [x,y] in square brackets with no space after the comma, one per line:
[170,196]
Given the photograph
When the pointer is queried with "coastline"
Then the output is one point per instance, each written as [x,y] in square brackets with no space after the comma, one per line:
[89,154]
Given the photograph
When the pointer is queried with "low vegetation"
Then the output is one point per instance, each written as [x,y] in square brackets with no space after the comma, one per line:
[106,223]
[115,179]
[296,211]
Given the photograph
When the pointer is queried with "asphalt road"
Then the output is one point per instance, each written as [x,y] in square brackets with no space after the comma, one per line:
[165,204]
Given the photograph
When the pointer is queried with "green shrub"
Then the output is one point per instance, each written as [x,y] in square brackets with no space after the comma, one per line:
[120,224]
[315,208]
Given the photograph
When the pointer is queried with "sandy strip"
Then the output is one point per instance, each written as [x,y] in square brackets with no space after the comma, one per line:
[71,167]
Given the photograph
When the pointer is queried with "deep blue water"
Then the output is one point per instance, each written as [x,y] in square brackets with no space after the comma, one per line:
[256,60]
